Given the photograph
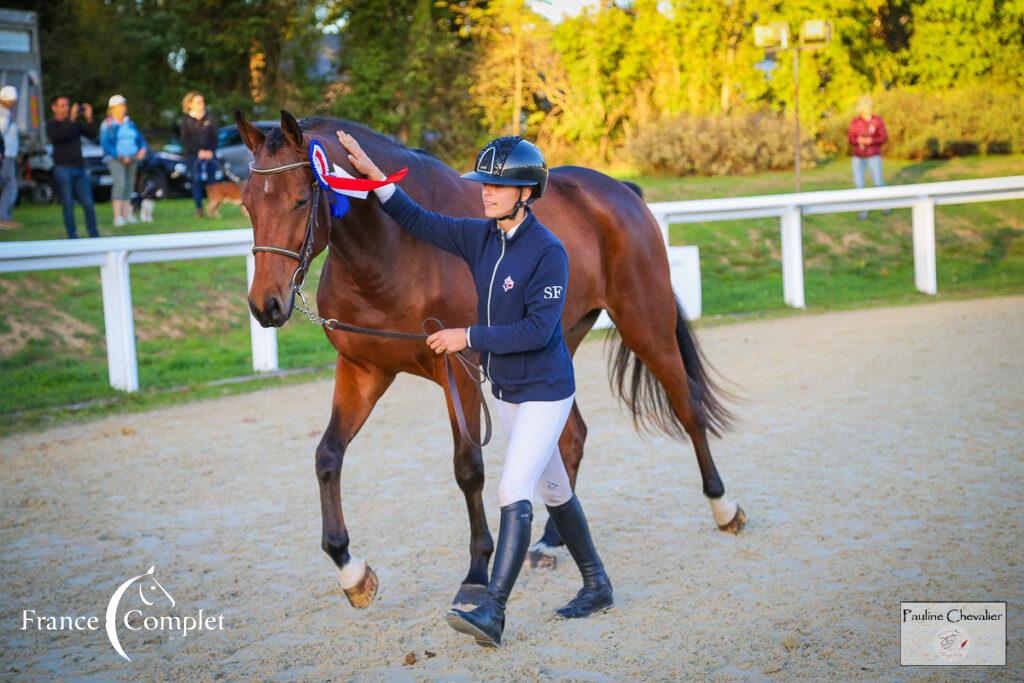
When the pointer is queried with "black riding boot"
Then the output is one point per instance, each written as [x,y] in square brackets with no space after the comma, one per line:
[486,621]
[596,593]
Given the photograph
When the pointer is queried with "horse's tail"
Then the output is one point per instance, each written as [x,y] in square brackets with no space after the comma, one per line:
[649,404]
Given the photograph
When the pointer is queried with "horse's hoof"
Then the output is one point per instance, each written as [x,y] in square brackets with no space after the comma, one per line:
[469,594]
[736,523]
[362,594]
[542,556]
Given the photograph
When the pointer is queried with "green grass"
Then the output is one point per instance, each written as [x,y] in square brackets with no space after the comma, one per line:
[849,262]
[191,316]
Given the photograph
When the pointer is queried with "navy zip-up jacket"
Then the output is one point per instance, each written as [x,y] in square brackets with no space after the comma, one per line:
[520,284]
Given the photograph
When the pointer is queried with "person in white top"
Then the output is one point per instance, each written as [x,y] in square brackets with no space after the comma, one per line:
[8,168]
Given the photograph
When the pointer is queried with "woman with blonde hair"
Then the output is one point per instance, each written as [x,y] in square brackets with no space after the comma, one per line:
[524,354]
[198,135]
[866,135]
[124,147]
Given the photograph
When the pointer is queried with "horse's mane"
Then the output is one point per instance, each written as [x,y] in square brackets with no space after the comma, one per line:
[276,140]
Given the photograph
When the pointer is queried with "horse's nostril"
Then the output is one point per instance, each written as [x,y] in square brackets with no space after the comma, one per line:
[272,308]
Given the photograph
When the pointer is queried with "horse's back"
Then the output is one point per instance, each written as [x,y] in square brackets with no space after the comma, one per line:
[605,226]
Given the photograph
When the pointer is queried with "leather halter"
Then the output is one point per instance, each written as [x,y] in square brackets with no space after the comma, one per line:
[305,257]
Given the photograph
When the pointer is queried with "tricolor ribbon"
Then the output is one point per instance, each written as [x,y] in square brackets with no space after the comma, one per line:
[341,184]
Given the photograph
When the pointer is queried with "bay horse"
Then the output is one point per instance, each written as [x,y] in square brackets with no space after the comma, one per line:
[617,263]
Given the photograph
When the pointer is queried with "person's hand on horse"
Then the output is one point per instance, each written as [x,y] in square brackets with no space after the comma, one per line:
[447,341]
[358,158]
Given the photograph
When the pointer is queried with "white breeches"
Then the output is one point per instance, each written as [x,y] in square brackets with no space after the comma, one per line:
[533,462]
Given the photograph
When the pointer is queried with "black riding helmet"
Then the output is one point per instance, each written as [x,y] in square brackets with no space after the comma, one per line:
[511,160]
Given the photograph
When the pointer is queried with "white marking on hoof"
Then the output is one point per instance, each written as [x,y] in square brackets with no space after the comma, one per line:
[542,547]
[723,509]
[352,573]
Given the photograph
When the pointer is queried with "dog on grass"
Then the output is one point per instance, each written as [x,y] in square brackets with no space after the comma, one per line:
[225,192]
[144,201]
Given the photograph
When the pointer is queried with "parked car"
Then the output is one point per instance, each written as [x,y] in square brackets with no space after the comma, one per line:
[233,153]
[169,169]
[43,188]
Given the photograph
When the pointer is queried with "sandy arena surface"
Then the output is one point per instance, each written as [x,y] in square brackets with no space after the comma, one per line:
[880,459]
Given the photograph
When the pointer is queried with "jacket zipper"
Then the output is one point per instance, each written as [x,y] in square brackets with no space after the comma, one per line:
[490,291]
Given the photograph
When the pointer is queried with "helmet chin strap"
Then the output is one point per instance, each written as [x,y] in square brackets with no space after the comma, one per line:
[515,208]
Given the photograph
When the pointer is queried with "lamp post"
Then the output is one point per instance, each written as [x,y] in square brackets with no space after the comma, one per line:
[814,34]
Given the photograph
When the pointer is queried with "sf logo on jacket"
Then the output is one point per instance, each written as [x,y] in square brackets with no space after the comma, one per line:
[553,292]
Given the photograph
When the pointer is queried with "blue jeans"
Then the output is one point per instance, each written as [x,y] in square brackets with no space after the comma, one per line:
[201,168]
[874,165]
[8,188]
[72,182]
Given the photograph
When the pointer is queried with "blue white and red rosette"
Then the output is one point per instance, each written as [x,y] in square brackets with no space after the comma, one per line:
[340,183]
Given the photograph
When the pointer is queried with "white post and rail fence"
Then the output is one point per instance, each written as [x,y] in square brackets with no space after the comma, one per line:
[114,255]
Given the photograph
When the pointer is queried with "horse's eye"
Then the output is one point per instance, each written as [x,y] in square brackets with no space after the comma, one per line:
[301,203]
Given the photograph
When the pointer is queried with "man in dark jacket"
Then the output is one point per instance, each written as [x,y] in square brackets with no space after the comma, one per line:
[866,135]
[65,133]
[198,134]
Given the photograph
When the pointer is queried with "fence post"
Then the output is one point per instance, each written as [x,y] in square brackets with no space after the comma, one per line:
[122,367]
[264,339]
[792,258]
[663,224]
[923,217]
[684,269]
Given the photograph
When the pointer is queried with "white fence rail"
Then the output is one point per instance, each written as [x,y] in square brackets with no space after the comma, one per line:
[789,208]
[113,255]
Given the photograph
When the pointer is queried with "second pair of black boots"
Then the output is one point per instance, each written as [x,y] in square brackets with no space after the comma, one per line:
[486,622]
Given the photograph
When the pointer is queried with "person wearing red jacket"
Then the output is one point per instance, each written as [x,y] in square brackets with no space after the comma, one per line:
[866,135]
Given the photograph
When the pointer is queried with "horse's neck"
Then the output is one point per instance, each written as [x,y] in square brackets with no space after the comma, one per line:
[364,246]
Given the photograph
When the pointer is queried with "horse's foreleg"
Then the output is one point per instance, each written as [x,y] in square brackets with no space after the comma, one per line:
[469,474]
[356,390]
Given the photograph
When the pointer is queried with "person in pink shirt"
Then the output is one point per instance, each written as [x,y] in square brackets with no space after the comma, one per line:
[866,135]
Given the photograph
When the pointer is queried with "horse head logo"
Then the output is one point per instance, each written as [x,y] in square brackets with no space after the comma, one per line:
[486,162]
[150,590]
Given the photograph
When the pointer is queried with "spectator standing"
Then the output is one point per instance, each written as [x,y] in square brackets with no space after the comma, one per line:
[866,135]
[125,147]
[198,135]
[65,133]
[8,167]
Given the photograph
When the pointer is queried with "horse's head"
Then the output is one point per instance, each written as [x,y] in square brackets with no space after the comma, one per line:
[150,589]
[278,201]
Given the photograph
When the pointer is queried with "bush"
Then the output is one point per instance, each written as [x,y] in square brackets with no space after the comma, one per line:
[931,125]
[726,145]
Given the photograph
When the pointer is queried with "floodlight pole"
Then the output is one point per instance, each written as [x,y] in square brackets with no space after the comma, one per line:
[796,110]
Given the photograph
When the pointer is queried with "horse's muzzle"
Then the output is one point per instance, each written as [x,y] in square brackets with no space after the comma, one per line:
[274,312]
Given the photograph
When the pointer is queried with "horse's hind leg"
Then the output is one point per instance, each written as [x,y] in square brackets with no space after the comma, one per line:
[469,473]
[356,390]
[650,328]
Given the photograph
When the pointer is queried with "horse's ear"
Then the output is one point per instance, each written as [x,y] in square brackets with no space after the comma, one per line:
[252,136]
[291,130]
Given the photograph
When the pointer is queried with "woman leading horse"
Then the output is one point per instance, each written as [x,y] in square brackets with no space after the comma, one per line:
[521,271]
[616,262]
